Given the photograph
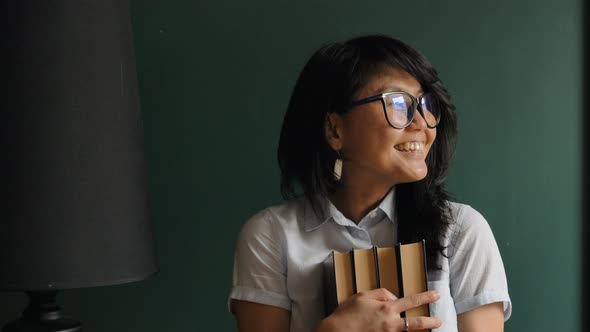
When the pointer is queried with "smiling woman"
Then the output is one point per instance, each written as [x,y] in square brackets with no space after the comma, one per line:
[368,136]
[371,150]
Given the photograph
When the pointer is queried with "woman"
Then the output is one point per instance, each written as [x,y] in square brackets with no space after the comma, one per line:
[367,138]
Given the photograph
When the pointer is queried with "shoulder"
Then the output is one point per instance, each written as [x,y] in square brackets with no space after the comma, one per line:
[468,226]
[271,220]
[464,215]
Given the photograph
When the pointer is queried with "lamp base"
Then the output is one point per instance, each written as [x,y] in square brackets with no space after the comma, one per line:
[43,315]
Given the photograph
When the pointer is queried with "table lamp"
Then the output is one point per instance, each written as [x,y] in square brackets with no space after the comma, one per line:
[73,187]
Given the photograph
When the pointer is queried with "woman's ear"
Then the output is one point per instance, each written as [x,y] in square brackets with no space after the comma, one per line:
[333,130]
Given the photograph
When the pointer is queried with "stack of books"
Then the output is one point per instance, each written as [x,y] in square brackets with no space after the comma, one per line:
[401,270]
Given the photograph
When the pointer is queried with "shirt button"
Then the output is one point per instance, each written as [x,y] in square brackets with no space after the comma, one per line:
[373,214]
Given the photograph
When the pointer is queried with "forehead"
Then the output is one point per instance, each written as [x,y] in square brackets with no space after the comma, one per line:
[388,78]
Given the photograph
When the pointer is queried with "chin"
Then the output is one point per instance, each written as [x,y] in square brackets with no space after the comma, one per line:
[415,177]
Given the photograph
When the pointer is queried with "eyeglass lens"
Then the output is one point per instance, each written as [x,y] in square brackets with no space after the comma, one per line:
[401,109]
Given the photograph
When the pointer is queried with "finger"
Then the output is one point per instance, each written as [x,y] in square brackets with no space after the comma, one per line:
[380,294]
[419,323]
[416,300]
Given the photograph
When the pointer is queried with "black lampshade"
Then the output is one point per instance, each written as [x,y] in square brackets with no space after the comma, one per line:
[74,207]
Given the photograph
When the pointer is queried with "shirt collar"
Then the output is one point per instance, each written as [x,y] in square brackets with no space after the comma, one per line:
[329,211]
[387,205]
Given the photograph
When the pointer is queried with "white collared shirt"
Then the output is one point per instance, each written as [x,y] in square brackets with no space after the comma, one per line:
[280,251]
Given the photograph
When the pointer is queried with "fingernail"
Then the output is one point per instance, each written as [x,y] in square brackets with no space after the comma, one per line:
[438,322]
[436,294]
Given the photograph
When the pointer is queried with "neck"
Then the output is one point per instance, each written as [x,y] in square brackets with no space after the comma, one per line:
[356,201]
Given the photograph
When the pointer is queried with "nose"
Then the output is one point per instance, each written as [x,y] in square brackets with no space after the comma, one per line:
[418,122]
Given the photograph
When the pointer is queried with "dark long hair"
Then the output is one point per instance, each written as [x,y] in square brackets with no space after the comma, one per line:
[328,83]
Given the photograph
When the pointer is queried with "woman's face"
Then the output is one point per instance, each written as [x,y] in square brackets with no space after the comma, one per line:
[373,151]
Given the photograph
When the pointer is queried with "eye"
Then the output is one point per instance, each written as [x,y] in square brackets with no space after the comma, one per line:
[397,102]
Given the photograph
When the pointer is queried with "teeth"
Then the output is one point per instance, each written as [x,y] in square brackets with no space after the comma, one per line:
[410,146]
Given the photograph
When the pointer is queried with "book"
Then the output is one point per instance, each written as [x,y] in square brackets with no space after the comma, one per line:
[401,269]
[364,264]
[338,279]
[388,277]
[412,264]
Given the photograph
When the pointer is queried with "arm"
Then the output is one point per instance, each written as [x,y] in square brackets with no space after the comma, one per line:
[256,317]
[487,318]
[477,276]
[259,299]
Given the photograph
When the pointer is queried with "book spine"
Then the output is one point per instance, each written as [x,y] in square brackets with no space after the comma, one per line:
[330,292]
[377,273]
[353,270]
[426,272]
[400,278]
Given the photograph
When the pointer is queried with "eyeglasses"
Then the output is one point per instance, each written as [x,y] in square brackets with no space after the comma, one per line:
[400,107]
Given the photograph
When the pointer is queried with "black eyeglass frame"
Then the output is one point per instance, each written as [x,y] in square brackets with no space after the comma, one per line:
[416,106]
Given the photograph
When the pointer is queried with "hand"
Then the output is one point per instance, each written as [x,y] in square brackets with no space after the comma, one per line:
[379,310]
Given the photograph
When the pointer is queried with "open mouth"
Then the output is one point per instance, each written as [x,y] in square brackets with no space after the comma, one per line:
[409,146]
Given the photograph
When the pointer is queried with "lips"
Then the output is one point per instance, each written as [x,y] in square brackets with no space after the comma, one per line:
[410,146]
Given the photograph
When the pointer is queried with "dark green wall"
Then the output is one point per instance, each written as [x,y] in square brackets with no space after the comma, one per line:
[215,78]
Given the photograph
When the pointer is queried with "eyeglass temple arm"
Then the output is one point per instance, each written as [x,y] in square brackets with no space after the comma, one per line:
[366,100]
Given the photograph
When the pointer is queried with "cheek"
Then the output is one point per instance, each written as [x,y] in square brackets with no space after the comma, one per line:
[366,130]
[431,134]
[384,138]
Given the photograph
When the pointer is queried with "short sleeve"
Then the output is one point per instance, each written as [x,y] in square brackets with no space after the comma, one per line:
[259,273]
[477,275]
